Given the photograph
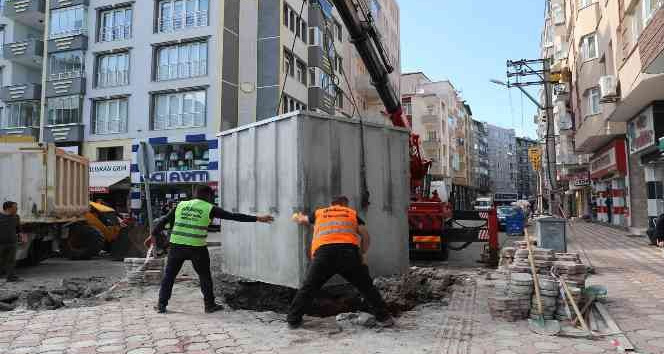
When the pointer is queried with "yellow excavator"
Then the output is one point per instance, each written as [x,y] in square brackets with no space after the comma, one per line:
[102,230]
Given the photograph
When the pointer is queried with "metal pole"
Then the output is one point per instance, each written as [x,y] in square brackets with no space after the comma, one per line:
[42,104]
[146,182]
[550,139]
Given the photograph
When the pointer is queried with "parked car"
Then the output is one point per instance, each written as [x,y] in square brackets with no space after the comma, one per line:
[503,213]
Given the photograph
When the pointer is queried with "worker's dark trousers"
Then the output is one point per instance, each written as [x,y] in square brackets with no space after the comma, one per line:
[7,259]
[346,261]
[200,258]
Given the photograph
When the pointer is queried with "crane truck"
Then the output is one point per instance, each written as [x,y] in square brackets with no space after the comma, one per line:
[433,224]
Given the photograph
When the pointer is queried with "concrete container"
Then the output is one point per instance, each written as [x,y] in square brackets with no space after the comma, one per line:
[552,234]
[297,162]
[47,183]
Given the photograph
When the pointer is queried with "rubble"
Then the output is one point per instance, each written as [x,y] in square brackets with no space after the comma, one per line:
[362,319]
[141,272]
[69,292]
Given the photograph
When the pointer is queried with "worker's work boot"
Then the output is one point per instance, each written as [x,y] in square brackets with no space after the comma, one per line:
[160,308]
[12,278]
[294,324]
[386,322]
[213,308]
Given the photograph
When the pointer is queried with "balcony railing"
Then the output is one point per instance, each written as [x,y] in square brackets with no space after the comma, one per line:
[65,75]
[112,78]
[69,33]
[116,33]
[177,23]
[111,126]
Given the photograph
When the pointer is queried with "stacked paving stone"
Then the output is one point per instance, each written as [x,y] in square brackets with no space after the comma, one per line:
[543,258]
[512,300]
[561,311]
[506,257]
[140,273]
[549,287]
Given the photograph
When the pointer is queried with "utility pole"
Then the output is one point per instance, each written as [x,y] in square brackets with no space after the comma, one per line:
[42,105]
[537,72]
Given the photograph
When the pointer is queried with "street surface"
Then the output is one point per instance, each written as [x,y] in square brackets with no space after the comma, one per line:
[631,269]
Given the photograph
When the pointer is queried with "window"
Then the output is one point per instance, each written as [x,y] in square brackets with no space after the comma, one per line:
[111,116]
[289,66]
[20,114]
[649,9]
[340,99]
[637,22]
[66,65]
[589,46]
[432,135]
[339,63]
[305,30]
[312,76]
[301,72]
[177,15]
[182,61]
[68,21]
[2,36]
[339,30]
[113,153]
[113,70]
[63,110]
[289,104]
[584,3]
[115,25]
[295,23]
[558,14]
[179,110]
[593,101]
[408,108]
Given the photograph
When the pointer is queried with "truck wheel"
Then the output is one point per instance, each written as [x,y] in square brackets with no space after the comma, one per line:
[83,242]
[120,246]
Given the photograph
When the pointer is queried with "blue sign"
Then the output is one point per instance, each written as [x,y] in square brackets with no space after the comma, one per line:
[180,177]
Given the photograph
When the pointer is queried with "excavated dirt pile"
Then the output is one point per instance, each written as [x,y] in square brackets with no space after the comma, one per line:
[402,293]
[69,292]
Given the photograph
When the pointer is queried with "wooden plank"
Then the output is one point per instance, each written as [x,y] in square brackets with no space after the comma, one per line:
[625,344]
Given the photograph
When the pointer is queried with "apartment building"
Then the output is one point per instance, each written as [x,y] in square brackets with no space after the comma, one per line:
[426,109]
[607,105]
[479,157]
[502,159]
[527,180]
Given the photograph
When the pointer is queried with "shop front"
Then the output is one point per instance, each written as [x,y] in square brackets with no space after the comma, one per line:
[179,167]
[580,192]
[644,132]
[109,184]
[608,171]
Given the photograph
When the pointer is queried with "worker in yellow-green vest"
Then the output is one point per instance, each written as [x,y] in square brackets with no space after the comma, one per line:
[188,242]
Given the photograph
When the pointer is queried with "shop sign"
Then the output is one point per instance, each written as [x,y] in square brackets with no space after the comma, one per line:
[100,190]
[167,177]
[641,131]
[611,159]
[581,179]
[109,169]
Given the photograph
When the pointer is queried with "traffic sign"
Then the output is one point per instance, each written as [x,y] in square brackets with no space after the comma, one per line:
[535,156]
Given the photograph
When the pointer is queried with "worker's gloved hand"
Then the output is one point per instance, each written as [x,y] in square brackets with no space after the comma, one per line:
[365,259]
[268,219]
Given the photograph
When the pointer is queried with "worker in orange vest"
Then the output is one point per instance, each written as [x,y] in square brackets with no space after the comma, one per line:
[339,246]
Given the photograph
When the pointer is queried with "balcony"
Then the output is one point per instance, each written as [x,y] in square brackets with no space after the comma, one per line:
[318,59]
[22,92]
[319,99]
[20,131]
[29,53]
[596,132]
[64,133]
[56,4]
[75,41]
[27,12]
[66,87]
[189,20]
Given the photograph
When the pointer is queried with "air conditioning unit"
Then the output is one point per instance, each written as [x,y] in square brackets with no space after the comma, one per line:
[608,86]
[561,92]
[564,119]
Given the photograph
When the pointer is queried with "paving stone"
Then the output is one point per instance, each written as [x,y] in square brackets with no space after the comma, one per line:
[650,334]
[197,346]
[142,351]
[657,343]
[55,340]
[52,347]
[110,349]
[504,333]
[169,350]
[547,345]
[588,348]
[138,338]
[23,350]
[508,343]
[506,351]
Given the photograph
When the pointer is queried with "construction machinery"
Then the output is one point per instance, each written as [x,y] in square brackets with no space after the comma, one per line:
[114,231]
[433,224]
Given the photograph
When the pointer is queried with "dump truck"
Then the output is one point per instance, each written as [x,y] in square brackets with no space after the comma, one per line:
[51,189]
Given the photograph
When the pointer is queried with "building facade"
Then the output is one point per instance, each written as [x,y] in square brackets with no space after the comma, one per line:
[606,106]
[479,157]
[502,159]
[527,180]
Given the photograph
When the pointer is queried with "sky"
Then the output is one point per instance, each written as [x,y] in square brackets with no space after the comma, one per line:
[468,42]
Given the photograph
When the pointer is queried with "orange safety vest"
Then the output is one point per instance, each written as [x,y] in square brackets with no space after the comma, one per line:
[335,225]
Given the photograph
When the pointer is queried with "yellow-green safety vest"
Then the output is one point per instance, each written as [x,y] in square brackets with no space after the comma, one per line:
[192,219]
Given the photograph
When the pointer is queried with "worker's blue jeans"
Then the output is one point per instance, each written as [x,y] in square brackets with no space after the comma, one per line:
[342,259]
[200,259]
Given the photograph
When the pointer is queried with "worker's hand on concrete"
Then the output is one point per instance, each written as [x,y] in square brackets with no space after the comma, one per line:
[300,218]
[268,219]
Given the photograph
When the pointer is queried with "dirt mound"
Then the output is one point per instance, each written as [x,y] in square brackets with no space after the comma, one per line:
[69,292]
[402,293]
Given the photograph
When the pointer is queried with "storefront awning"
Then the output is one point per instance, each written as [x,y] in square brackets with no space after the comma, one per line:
[104,175]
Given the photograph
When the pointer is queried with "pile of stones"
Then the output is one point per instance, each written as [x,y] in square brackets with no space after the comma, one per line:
[549,287]
[512,300]
[141,273]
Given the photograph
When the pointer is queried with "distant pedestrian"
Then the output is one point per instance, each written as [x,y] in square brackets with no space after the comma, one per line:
[339,246]
[10,227]
[659,231]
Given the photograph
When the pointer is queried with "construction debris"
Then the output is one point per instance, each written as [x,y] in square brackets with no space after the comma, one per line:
[141,272]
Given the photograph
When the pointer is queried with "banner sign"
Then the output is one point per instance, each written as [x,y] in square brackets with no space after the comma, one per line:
[641,131]
[168,177]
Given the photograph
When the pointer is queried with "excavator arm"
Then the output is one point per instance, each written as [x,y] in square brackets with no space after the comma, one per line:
[360,25]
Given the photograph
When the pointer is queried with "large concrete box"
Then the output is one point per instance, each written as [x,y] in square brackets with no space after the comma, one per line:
[552,233]
[297,162]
